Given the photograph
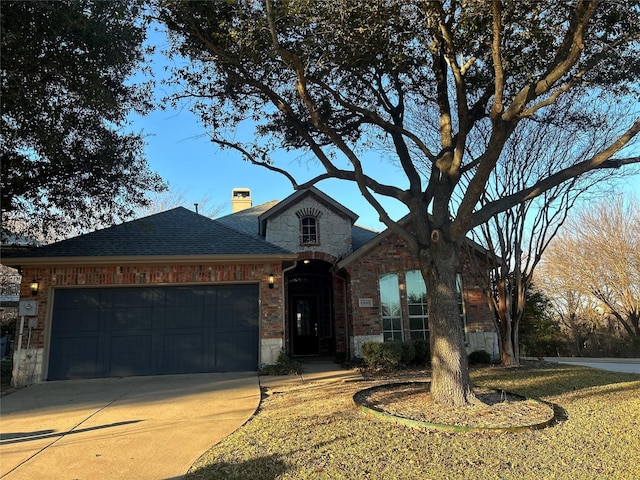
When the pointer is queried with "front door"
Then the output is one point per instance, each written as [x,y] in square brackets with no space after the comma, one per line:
[305,316]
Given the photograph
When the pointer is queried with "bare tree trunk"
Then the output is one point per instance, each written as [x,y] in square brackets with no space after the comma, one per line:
[508,339]
[503,310]
[450,382]
[507,355]
[516,342]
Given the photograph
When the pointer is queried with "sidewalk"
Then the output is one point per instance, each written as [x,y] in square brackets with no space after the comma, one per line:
[624,365]
[313,372]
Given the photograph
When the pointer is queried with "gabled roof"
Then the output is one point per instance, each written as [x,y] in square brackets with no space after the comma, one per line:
[374,241]
[247,221]
[296,197]
[175,233]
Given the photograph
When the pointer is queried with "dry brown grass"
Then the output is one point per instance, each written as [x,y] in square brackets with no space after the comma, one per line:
[316,432]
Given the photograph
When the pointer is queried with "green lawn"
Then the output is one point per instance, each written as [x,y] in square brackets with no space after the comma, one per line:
[316,432]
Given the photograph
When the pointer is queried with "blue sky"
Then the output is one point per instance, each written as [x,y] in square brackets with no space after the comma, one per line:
[179,150]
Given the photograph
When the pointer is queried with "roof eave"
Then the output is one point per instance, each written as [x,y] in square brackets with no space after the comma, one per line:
[147,259]
[367,247]
[373,243]
[284,204]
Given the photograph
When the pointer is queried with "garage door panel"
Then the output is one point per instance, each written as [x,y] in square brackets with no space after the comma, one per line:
[128,297]
[237,311]
[235,353]
[235,320]
[153,330]
[81,320]
[182,296]
[80,299]
[186,316]
[208,297]
[132,318]
[183,353]
[105,318]
[130,355]
[76,357]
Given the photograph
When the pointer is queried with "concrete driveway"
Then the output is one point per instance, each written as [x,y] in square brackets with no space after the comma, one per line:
[121,428]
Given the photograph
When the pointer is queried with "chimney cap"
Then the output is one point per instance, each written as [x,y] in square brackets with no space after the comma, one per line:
[240,199]
[241,193]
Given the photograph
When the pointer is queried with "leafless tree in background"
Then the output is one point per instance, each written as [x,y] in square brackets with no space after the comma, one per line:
[518,237]
[160,202]
[591,270]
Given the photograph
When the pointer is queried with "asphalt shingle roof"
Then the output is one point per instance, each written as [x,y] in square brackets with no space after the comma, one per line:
[179,232]
[360,236]
[247,220]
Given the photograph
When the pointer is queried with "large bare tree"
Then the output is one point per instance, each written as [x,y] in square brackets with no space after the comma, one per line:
[575,312]
[597,259]
[342,80]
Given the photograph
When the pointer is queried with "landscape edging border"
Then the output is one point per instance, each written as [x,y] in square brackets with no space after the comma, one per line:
[381,414]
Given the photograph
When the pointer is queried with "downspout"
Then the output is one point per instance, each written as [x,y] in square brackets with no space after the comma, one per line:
[284,305]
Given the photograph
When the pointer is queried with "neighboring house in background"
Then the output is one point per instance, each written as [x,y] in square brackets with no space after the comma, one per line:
[177,292]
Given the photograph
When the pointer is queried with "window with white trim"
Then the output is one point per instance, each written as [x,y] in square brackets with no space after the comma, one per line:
[417,305]
[390,307]
[309,231]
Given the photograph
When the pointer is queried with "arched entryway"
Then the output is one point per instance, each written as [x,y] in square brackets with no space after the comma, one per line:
[310,308]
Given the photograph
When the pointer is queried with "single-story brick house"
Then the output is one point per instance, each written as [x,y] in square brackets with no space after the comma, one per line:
[177,292]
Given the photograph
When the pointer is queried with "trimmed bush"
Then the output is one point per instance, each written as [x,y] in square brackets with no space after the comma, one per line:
[372,354]
[382,355]
[479,357]
[423,352]
[285,365]
[408,353]
[391,355]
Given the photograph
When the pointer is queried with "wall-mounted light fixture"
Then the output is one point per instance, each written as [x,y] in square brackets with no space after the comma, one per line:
[271,280]
[35,286]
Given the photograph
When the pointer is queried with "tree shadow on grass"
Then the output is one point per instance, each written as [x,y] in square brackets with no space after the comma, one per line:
[560,415]
[263,468]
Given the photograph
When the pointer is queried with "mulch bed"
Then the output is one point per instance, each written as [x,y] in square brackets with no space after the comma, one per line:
[495,409]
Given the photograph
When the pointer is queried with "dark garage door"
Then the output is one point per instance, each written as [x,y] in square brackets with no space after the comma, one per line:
[124,331]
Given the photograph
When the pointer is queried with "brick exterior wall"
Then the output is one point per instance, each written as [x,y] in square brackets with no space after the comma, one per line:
[393,255]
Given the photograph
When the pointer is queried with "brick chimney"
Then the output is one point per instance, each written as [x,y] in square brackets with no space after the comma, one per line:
[240,199]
